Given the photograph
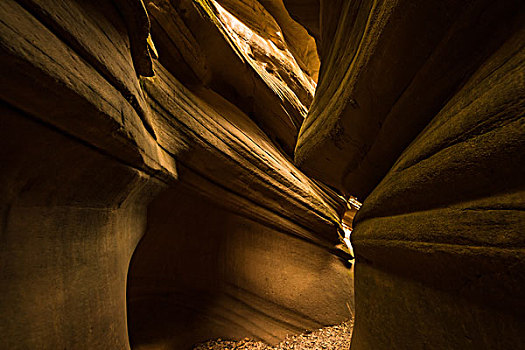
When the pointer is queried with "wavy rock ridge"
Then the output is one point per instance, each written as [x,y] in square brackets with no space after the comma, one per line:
[175,171]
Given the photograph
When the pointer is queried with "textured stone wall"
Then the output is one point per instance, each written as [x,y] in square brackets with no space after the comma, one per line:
[419,112]
[106,140]
[71,218]
[79,168]
[202,271]
[92,129]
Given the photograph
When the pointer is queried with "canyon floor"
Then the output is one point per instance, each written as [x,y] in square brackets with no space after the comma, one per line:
[329,338]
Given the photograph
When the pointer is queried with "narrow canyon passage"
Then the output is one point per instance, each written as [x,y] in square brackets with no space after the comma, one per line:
[262,174]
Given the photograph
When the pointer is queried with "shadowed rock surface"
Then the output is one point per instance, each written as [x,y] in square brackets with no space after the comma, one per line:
[90,137]
[419,111]
[203,272]
[174,171]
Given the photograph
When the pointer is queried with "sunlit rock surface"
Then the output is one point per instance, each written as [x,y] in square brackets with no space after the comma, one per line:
[200,42]
[175,171]
[271,20]
[111,136]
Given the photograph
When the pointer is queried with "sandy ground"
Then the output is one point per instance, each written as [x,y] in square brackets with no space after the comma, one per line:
[329,338]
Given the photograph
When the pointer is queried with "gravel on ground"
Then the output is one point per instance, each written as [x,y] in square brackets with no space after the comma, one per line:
[328,338]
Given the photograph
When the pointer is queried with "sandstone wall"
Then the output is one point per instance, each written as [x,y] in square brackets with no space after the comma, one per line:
[202,272]
[93,129]
[419,111]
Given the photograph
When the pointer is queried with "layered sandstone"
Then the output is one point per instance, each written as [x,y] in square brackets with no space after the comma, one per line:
[149,197]
[94,128]
[419,112]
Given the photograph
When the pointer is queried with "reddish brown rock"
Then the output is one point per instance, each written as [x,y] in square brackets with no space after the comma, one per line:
[419,111]
[87,144]
[260,79]
[203,272]
[177,158]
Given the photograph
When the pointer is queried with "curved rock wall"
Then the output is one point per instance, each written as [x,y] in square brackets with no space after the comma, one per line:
[419,110]
[397,77]
[203,271]
[79,167]
[71,218]
[88,141]
[236,69]
[284,31]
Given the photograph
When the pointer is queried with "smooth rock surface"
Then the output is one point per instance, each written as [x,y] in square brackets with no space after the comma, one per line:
[148,199]
[419,110]
[88,141]
[203,272]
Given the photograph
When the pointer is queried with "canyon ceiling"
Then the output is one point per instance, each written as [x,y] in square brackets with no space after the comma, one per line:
[178,170]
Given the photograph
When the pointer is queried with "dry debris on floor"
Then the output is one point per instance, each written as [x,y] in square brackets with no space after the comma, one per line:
[329,338]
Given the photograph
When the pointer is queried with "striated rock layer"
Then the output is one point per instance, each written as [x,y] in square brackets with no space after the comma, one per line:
[203,272]
[419,111]
[237,241]
[149,201]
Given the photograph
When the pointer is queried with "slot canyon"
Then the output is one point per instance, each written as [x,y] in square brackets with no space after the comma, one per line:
[185,172]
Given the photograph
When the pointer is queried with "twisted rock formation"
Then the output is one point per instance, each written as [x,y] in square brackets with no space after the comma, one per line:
[419,111]
[168,175]
[94,129]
